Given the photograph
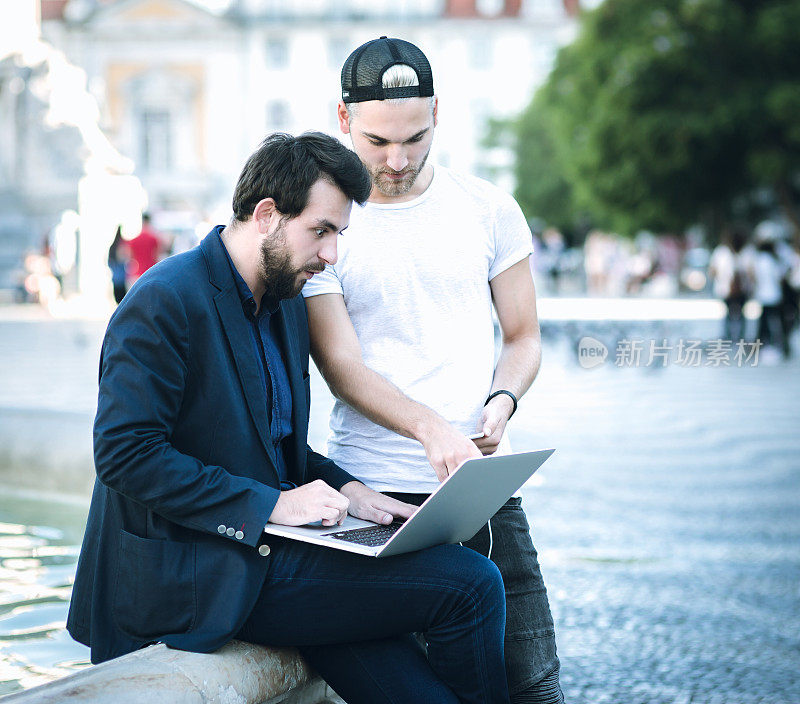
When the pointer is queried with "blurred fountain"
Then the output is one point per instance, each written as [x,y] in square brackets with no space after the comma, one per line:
[54,158]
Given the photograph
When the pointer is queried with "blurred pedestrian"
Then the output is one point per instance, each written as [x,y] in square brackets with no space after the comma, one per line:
[145,248]
[596,262]
[118,258]
[767,270]
[728,271]
[790,292]
[39,284]
[553,247]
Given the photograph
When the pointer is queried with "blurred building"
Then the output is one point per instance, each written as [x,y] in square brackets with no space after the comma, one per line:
[188,88]
[50,148]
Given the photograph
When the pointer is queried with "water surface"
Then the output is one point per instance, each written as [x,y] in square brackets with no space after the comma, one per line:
[39,545]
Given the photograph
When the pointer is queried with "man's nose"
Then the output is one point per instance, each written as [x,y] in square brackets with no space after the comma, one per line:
[328,253]
[396,158]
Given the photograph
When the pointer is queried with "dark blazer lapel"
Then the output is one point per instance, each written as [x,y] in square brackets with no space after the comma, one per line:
[229,309]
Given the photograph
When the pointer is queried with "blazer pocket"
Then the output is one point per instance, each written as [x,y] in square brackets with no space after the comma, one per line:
[154,593]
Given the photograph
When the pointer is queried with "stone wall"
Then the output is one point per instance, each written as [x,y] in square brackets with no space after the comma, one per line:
[238,673]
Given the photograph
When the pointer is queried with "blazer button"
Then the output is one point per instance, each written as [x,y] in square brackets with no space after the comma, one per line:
[263,550]
[221,529]
[230,531]
[239,535]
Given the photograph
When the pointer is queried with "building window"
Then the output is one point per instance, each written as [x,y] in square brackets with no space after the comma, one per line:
[156,146]
[277,53]
[278,117]
[551,9]
[489,8]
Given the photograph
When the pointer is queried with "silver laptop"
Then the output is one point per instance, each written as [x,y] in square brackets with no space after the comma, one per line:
[453,513]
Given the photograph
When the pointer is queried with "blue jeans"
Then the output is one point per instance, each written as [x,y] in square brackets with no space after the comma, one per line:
[352,618]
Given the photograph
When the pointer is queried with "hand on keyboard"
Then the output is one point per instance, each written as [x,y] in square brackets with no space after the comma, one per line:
[370,505]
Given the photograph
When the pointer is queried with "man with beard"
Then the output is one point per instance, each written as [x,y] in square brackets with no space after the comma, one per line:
[200,440]
[401,329]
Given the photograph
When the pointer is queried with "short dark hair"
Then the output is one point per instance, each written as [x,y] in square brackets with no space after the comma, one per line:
[285,168]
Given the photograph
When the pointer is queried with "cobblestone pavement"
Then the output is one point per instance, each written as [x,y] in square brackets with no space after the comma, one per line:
[667,522]
[669,530]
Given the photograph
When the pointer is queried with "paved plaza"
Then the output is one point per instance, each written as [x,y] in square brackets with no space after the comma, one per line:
[667,522]
[669,530]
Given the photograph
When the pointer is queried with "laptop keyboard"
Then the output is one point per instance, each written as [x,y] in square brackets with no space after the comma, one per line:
[370,536]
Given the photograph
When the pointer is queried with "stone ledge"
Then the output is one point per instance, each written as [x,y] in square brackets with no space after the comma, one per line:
[238,673]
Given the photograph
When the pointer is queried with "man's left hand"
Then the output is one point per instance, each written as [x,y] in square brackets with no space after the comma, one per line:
[371,505]
[493,423]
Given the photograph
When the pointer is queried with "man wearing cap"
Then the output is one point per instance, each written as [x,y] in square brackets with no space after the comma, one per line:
[200,439]
[401,328]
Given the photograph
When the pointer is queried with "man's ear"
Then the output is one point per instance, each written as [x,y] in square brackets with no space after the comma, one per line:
[435,110]
[344,117]
[264,214]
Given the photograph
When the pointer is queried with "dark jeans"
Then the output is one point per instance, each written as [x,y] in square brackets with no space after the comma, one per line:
[734,329]
[789,315]
[530,642]
[352,616]
[770,329]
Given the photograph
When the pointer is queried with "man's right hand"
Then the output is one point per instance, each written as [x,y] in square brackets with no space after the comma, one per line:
[309,503]
[446,448]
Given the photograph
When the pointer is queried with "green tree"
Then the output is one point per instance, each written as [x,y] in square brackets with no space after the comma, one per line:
[662,113]
[543,189]
[774,154]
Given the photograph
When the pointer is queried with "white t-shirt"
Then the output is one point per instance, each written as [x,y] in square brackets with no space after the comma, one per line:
[768,271]
[723,261]
[415,280]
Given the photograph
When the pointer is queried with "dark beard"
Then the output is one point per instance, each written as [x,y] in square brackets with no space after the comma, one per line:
[277,273]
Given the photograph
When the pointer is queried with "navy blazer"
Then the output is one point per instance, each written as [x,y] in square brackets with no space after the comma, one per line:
[186,473]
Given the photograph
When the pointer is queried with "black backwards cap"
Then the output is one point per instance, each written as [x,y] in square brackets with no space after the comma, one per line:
[363,71]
